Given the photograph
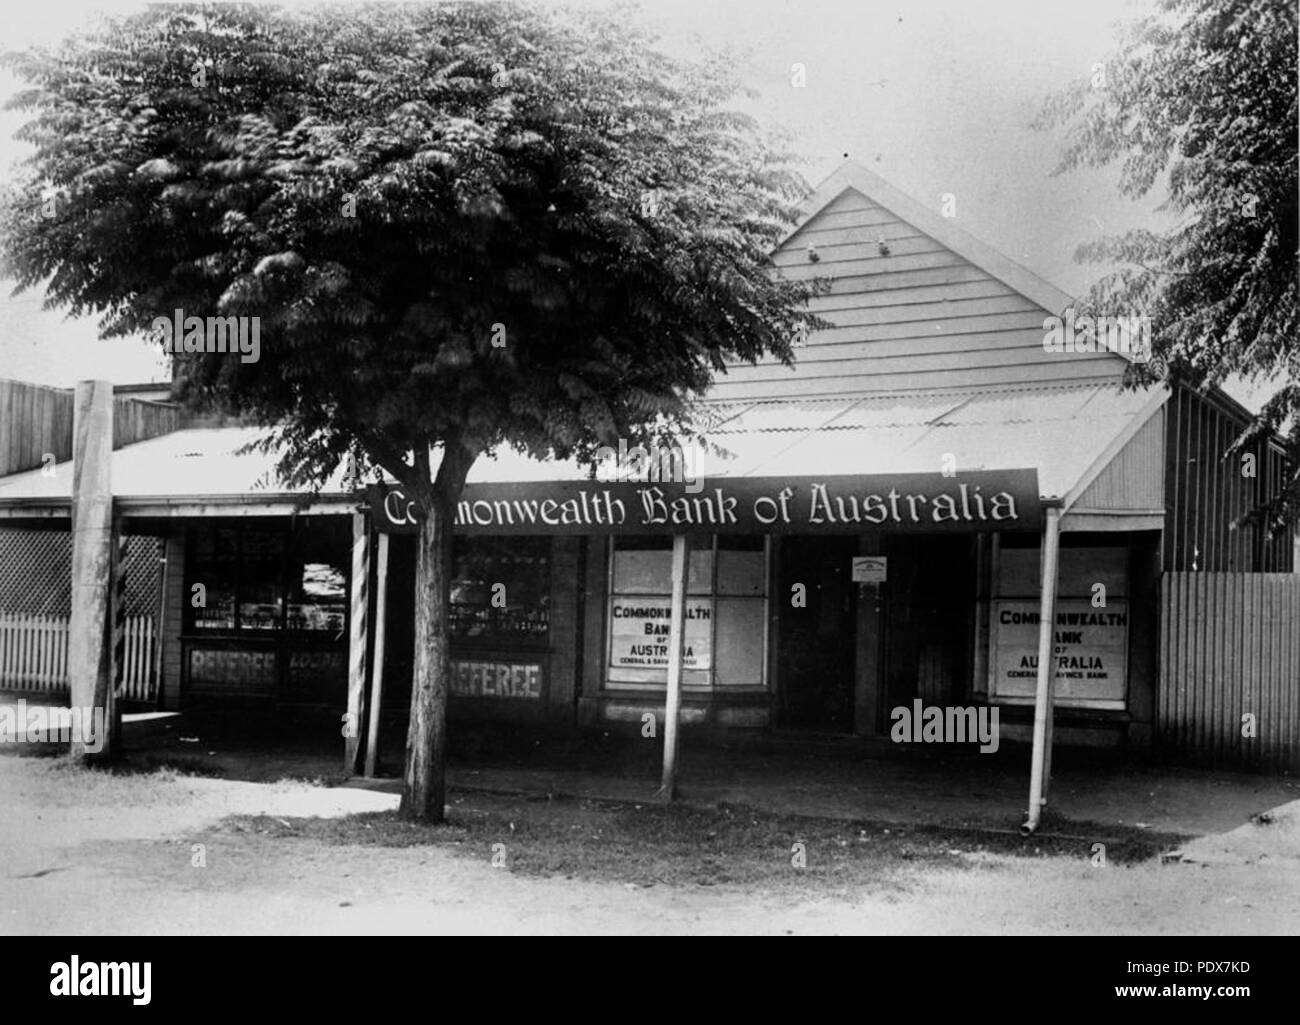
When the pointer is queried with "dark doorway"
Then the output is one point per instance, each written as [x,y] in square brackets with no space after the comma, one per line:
[815,655]
[930,619]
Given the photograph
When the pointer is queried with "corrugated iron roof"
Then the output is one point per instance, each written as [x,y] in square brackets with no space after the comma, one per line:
[1060,431]
[181,464]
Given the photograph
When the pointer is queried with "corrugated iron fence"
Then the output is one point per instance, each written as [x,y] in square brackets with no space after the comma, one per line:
[1230,669]
[36,423]
[34,655]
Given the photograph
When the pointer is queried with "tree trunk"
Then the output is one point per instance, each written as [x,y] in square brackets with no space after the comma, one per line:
[424,784]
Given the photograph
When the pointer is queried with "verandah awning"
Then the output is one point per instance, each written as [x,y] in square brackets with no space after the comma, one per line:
[945,456]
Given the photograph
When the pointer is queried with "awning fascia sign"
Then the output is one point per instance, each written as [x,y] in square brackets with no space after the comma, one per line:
[980,501]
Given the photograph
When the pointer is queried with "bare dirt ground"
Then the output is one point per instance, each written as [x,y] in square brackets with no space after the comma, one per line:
[87,852]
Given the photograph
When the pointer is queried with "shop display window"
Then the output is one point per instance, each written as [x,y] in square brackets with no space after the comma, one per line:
[266,579]
[726,612]
[501,591]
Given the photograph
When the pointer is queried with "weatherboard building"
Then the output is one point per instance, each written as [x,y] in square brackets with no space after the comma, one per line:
[889,521]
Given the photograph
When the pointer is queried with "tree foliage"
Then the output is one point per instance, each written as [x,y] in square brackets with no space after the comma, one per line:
[1200,100]
[390,189]
[460,226]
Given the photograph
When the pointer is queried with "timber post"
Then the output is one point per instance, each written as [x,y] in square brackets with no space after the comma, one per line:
[677,644]
[89,658]
[357,638]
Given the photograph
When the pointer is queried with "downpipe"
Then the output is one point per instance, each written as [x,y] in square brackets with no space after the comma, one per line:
[1043,690]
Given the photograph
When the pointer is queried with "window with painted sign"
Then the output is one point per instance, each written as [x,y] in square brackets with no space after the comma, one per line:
[639,630]
[232,673]
[253,668]
[725,616]
[496,680]
[1090,636]
[316,675]
[1089,650]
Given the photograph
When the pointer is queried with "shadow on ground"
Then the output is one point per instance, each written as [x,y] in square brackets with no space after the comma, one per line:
[1093,794]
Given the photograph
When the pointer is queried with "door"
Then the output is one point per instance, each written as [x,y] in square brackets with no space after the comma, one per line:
[815,656]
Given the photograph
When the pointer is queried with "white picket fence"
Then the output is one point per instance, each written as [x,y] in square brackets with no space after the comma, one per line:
[137,677]
[34,654]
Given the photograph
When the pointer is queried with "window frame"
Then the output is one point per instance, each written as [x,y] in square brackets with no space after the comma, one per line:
[1000,592]
[476,649]
[193,575]
[712,596]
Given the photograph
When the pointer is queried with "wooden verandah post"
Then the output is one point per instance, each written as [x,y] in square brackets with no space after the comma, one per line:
[357,639]
[677,643]
[377,673]
[89,658]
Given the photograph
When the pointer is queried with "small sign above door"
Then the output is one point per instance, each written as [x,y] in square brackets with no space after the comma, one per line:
[869,569]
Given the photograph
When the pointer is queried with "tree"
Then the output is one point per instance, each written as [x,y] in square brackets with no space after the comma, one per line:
[1201,100]
[461,226]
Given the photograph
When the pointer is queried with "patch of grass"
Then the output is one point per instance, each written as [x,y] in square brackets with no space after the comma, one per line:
[651,844]
[180,765]
[65,782]
[33,750]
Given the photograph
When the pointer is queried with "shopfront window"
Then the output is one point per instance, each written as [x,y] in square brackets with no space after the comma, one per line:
[235,578]
[265,611]
[726,612]
[267,579]
[318,582]
[501,591]
[1089,639]
[213,566]
[261,567]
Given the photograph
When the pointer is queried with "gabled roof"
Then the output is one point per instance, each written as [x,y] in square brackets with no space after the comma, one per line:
[852,175]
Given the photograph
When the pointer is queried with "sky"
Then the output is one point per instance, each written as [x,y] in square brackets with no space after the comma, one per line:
[935,96]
